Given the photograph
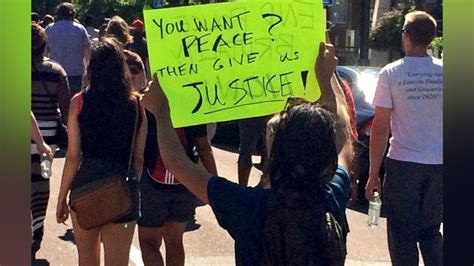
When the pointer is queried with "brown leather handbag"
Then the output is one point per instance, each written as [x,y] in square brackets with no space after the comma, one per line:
[103,201]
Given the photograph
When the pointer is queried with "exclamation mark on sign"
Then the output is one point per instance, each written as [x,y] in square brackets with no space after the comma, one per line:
[304,75]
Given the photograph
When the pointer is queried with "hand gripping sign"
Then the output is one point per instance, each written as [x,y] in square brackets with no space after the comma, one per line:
[220,62]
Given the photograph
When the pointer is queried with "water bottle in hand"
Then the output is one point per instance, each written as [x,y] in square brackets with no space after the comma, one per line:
[374,211]
[45,166]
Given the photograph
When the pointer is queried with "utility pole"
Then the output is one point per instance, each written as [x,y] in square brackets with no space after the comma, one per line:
[364,33]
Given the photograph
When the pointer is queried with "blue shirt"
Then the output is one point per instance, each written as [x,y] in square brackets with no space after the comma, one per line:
[242,211]
[67,41]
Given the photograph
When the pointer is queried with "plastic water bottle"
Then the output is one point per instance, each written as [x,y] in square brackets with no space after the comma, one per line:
[374,211]
[45,166]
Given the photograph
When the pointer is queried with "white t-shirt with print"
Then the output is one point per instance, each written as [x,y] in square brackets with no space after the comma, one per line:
[413,88]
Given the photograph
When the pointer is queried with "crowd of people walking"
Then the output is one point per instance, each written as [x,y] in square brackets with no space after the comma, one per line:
[98,84]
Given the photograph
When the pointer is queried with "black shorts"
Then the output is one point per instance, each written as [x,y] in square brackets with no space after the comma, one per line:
[160,203]
[133,215]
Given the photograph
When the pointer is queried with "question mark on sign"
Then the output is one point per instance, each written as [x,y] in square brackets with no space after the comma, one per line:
[274,24]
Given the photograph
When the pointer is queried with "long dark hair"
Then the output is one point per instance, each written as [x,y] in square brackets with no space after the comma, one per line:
[108,73]
[304,155]
[38,41]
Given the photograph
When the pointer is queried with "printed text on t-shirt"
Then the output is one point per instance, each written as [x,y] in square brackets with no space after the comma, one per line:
[422,85]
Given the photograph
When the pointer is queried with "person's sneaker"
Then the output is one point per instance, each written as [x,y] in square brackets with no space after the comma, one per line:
[192,225]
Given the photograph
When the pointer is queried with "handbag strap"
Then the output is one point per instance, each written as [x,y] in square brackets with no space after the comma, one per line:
[50,98]
[134,135]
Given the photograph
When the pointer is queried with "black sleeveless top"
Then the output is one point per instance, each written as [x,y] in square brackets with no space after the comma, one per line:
[107,128]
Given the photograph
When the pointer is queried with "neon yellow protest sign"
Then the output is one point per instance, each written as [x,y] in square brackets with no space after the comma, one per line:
[220,62]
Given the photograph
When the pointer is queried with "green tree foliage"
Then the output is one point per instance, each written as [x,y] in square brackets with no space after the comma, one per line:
[44,7]
[107,9]
[388,31]
[437,43]
[436,46]
[100,9]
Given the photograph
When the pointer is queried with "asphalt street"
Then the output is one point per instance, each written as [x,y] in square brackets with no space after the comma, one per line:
[208,245]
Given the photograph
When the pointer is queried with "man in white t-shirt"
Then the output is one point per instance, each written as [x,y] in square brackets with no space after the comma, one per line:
[409,104]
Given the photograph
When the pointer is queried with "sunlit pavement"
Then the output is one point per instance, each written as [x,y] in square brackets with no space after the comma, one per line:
[209,245]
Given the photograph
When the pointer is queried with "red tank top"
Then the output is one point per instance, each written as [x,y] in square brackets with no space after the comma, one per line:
[160,173]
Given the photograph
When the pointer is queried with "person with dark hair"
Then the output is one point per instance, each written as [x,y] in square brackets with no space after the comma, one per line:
[65,11]
[409,105]
[35,17]
[49,90]
[69,44]
[47,19]
[298,220]
[102,120]
[118,28]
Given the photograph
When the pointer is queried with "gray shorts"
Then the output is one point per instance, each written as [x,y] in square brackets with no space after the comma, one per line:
[161,203]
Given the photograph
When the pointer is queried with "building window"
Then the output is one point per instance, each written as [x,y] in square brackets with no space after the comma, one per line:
[338,12]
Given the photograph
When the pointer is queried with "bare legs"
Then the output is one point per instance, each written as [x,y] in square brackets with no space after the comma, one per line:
[151,239]
[117,239]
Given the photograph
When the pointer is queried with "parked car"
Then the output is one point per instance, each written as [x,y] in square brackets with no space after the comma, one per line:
[363,82]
